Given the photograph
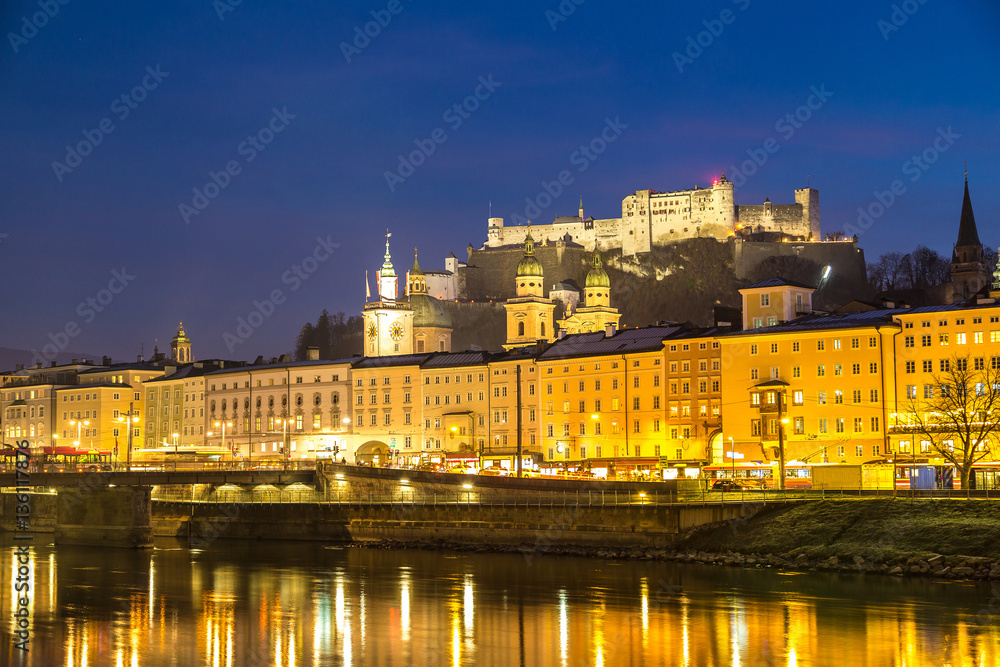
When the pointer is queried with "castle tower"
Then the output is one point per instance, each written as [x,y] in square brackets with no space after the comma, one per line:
[724,202]
[530,316]
[432,325]
[596,313]
[969,274]
[388,322]
[808,198]
[180,346]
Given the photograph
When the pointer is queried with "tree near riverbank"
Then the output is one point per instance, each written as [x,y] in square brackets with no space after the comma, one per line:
[957,416]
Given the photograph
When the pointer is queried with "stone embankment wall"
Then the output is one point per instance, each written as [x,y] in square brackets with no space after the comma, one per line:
[372,505]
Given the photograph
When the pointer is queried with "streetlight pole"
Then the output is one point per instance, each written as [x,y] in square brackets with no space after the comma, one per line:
[781,441]
[284,442]
[175,443]
[732,455]
[79,427]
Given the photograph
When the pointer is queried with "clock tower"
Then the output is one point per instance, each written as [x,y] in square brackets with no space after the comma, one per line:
[388,322]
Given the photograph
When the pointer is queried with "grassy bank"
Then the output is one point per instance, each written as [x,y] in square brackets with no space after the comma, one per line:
[876,530]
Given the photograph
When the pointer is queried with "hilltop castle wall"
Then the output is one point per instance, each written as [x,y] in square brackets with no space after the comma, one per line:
[650,218]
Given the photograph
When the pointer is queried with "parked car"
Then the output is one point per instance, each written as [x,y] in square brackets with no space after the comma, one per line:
[461,470]
[495,471]
[726,485]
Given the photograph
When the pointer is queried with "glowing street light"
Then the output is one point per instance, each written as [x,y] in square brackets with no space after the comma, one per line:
[224,425]
[175,443]
[79,426]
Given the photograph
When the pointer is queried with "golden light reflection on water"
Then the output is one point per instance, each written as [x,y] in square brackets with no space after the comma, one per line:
[245,605]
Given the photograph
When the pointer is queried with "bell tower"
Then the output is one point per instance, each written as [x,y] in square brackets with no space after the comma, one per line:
[180,346]
[388,321]
[969,274]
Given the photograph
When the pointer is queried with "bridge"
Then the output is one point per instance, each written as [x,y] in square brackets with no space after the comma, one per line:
[113,478]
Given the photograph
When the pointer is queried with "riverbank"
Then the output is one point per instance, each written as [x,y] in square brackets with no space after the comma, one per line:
[936,538]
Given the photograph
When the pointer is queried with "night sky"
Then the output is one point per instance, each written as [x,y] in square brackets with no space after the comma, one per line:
[309,127]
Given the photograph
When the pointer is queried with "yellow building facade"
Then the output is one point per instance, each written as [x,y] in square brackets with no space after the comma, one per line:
[292,410]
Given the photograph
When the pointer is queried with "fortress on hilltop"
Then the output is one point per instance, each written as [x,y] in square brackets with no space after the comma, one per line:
[650,218]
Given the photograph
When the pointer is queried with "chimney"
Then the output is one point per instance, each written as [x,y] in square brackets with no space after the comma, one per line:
[53,364]
[609,330]
[106,361]
[18,367]
[169,369]
[539,346]
[312,353]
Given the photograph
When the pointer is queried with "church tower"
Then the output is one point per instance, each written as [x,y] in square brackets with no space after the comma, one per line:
[530,316]
[180,346]
[596,313]
[969,274]
[388,322]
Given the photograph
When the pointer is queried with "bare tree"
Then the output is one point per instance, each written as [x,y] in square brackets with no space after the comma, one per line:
[959,414]
[928,268]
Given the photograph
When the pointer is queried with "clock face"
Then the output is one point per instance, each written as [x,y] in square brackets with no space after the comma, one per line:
[396,331]
[372,331]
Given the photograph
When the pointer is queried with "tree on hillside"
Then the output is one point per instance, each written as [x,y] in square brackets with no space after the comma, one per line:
[927,268]
[334,335]
[890,271]
[957,417]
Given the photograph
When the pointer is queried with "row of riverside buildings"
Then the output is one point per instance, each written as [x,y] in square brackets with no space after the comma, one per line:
[834,386]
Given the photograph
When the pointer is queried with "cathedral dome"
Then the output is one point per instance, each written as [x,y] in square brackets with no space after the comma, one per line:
[529,265]
[597,276]
[429,312]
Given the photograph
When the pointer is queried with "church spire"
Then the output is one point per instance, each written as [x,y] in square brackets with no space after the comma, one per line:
[968,235]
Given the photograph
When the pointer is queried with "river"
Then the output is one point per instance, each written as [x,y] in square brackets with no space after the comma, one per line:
[248,604]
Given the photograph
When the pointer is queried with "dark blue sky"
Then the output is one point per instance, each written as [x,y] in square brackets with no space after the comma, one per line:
[323,175]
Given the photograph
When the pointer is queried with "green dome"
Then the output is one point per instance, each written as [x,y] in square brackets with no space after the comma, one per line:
[597,277]
[429,312]
[529,266]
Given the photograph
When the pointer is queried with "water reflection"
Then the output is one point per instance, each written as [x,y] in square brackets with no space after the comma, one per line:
[248,604]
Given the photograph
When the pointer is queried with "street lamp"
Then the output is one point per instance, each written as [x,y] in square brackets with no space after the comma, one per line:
[732,455]
[79,426]
[224,425]
[284,443]
[781,447]
[175,443]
